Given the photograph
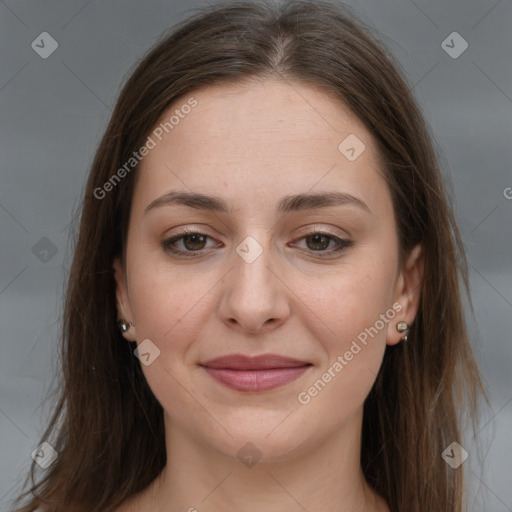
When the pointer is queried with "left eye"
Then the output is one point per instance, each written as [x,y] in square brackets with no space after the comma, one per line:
[318,242]
[194,242]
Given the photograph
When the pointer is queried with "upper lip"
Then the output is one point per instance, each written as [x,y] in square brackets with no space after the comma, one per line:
[263,362]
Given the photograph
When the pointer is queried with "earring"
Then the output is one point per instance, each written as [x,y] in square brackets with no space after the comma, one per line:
[124,325]
[402,327]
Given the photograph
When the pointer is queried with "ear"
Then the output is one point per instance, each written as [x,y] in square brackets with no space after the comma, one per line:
[407,294]
[124,311]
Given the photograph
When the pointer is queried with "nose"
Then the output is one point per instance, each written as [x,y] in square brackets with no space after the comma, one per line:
[255,298]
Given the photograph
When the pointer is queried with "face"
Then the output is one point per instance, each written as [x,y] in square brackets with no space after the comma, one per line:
[314,281]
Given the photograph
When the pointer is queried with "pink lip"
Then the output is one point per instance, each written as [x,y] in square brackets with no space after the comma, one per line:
[261,373]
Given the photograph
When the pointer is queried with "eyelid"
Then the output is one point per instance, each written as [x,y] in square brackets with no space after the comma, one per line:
[342,243]
[309,230]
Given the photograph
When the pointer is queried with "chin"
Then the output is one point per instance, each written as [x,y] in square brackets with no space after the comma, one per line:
[267,441]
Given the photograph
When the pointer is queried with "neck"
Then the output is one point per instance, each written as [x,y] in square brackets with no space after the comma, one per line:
[325,476]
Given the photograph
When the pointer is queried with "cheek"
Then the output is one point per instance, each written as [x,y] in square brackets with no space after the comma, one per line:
[351,300]
[172,306]
[164,297]
[350,319]
[169,312]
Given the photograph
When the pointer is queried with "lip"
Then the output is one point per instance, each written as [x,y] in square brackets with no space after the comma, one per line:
[260,373]
[262,362]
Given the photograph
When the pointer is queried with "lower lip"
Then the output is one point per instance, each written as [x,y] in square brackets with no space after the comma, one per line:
[256,380]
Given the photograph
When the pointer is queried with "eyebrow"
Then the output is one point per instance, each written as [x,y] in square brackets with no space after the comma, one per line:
[287,204]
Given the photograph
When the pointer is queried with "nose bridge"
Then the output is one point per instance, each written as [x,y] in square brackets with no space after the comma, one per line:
[254,295]
[253,263]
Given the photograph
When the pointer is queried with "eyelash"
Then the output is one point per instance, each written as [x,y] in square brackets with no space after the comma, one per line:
[343,245]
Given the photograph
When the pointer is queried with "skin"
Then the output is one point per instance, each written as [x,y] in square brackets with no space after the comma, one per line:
[252,144]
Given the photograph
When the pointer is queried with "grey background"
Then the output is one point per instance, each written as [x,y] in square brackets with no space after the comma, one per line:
[53,113]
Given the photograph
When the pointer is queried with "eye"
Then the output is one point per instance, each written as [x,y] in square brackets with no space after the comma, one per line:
[194,243]
[319,242]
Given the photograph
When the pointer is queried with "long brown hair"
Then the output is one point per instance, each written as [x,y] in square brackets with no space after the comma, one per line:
[108,427]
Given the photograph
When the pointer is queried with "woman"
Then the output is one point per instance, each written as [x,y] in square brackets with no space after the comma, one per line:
[263,311]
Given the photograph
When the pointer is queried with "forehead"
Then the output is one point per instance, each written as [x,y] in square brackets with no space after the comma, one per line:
[256,138]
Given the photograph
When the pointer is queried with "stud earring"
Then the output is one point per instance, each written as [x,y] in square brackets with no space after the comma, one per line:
[124,325]
[402,327]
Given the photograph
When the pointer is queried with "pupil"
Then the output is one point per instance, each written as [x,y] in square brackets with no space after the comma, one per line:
[316,239]
[194,238]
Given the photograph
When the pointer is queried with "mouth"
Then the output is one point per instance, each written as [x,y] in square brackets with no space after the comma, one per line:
[255,374]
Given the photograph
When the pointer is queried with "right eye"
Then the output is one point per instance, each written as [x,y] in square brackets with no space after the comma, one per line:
[192,241]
